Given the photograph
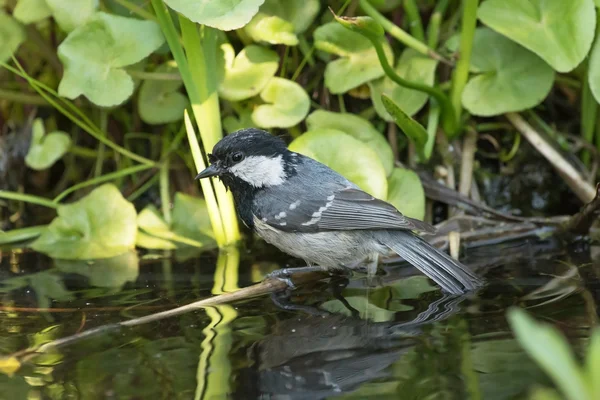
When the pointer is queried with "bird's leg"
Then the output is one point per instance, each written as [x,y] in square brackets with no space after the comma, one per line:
[282,300]
[284,274]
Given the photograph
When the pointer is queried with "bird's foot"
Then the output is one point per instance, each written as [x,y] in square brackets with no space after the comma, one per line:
[285,274]
[283,301]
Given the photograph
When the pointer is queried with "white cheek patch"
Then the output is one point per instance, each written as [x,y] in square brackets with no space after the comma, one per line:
[260,171]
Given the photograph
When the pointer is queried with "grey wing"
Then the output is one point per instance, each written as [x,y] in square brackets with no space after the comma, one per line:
[344,209]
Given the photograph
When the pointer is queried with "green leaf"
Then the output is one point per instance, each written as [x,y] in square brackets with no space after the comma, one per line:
[20,235]
[271,29]
[100,225]
[358,62]
[412,287]
[348,156]
[190,218]
[11,36]
[287,104]
[242,121]
[510,78]
[46,149]
[366,26]
[101,48]
[160,101]
[594,70]
[411,128]
[356,127]
[248,73]
[406,193]
[592,363]
[71,14]
[300,13]
[223,15]
[559,31]
[111,272]
[29,11]
[551,351]
[411,66]
[147,241]
[366,309]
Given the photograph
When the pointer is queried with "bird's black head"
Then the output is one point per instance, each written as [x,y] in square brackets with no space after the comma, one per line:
[250,158]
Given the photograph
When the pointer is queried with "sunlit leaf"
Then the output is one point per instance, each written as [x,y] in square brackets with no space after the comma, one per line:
[111,272]
[100,225]
[413,67]
[101,48]
[551,351]
[160,101]
[287,104]
[71,14]
[411,128]
[271,29]
[9,365]
[147,241]
[300,13]
[357,127]
[366,26]
[46,149]
[348,156]
[223,15]
[510,78]
[406,193]
[594,70]
[358,62]
[362,305]
[11,36]
[29,11]
[559,31]
[247,73]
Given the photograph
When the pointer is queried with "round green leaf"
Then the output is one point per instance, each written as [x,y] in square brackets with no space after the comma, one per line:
[348,156]
[112,272]
[406,193]
[248,73]
[356,127]
[100,225]
[300,13]
[11,36]
[358,62]
[559,31]
[411,66]
[160,101]
[29,11]
[510,78]
[594,70]
[223,15]
[71,14]
[287,105]
[101,48]
[45,150]
[271,29]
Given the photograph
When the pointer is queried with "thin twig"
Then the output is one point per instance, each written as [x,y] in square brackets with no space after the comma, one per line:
[578,185]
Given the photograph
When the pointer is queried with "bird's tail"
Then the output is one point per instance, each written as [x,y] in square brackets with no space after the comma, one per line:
[450,274]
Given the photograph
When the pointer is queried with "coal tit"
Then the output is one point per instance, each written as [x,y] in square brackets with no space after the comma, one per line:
[313,213]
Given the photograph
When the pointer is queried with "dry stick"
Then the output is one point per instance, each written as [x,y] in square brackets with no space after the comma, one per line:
[582,189]
[466,166]
[265,287]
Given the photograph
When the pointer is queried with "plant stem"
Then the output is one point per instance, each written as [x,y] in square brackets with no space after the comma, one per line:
[101,146]
[399,33]
[136,9]
[461,72]
[27,198]
[414,20]
[449,120]
[101,179]
[24,98]
[589,113]
[165,199]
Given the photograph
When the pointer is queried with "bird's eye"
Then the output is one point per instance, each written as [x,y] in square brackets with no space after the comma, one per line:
[237,157]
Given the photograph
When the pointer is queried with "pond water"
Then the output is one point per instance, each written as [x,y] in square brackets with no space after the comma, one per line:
[393,336]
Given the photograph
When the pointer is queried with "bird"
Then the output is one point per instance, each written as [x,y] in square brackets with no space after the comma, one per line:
[311,212]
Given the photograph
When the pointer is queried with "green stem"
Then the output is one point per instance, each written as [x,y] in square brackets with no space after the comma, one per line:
[399,33]
[101,179]
[433,29]
[24,98]
[414,20]
[165,199]
[461,72]
[136,9]
[449,120]
[589,113]
[27,198]
[101,146]
[142,189]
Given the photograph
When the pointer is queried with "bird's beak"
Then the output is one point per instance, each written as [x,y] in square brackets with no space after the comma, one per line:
[212,170]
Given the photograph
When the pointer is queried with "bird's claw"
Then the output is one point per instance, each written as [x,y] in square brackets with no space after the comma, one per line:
[283,275]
